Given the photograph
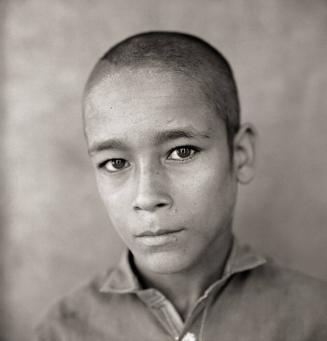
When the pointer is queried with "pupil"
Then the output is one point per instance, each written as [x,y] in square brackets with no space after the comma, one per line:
[183,152]
[119,163]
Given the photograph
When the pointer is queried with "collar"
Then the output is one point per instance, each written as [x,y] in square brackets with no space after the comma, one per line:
[123,280]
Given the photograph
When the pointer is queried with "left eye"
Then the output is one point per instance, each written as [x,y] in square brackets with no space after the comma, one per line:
[115,165]
[182,153]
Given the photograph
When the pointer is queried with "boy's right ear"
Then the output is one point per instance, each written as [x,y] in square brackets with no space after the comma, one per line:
[244,153]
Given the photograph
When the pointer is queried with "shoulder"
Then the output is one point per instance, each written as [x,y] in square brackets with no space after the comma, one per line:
[263,278]
[277,301]
[97,306]
[291,283]
[290,297]
[74,311]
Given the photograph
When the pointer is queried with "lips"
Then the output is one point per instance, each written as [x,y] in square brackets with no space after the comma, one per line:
[159,238]
[157,233]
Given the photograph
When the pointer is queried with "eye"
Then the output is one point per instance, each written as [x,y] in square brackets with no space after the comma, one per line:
[114,165]
[182,153]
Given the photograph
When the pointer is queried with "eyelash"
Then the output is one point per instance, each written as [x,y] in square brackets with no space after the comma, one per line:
[194,150]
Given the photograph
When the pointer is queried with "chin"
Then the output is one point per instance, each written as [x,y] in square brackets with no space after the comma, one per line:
[164,262]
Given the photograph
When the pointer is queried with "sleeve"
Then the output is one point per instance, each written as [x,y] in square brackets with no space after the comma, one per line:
[52,326]
[49,331]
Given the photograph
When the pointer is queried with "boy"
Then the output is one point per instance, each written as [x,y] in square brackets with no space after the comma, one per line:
[162,124]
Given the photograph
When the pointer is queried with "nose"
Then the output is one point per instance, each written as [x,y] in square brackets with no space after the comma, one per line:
[151,191]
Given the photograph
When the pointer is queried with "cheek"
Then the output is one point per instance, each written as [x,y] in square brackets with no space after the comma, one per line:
[115,201]
[118,218]
[207,197]
[204,184]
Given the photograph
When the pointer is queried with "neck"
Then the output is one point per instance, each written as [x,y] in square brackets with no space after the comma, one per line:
[184,288]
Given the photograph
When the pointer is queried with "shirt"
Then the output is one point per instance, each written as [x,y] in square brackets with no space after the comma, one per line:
[254,299]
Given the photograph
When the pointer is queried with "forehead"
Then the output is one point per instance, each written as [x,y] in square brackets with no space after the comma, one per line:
[144,100]
[108,85]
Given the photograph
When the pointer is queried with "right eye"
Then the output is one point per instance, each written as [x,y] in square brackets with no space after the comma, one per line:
[115,165]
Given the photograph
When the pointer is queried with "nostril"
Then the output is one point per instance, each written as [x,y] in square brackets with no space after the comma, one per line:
[143,206]
[151,201]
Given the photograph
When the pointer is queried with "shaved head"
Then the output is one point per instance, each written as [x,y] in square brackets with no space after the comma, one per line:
[178,53]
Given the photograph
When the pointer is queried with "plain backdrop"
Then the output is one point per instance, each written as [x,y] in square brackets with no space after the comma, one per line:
[54,229]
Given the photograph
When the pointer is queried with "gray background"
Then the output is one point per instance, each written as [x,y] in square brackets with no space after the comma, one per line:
[54,230]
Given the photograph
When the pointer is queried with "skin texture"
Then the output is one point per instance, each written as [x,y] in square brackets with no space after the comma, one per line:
[163,166]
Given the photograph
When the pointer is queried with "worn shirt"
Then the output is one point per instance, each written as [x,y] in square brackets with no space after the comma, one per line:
[253,300]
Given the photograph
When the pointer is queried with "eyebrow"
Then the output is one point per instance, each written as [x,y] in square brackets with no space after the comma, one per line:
[160,138]
[165,136]
[106,145]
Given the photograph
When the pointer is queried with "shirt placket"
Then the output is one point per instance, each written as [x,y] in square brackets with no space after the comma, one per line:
[169,318]
[164,311]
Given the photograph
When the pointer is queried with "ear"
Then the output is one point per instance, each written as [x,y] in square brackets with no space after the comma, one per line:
[244,153]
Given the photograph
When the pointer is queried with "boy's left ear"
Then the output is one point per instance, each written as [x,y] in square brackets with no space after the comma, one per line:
[244,153]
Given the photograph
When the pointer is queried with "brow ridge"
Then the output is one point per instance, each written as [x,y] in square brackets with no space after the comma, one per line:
[160,138]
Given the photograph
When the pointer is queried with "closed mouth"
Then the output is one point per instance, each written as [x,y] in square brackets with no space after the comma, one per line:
[158,233]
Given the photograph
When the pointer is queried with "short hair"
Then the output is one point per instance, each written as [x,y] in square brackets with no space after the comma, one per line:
[183,53]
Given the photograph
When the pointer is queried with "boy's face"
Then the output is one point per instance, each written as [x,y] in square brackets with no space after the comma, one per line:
[163,167]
